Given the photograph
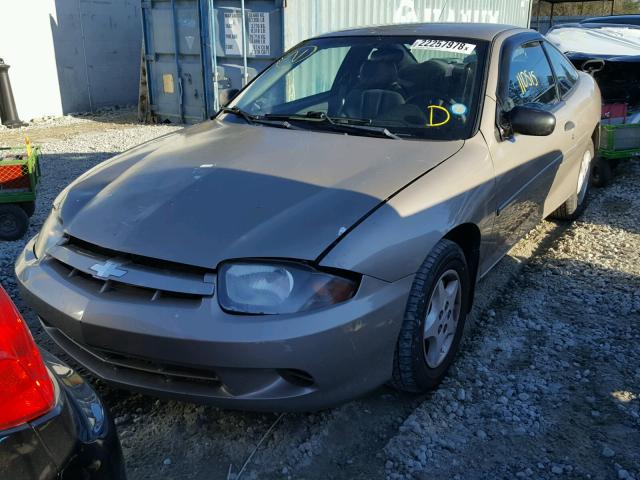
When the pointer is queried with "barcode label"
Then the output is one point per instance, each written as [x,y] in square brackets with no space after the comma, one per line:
[443,46]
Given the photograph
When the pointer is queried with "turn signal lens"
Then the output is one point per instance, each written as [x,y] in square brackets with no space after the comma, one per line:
[26,390]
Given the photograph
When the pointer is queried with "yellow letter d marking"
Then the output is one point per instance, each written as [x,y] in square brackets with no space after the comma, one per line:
[431,115]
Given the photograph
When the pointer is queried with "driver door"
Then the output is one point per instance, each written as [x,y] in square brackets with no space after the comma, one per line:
[525,166]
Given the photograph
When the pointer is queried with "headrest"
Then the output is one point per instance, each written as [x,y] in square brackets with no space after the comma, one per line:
[378,74]
[388,53]
[420,73]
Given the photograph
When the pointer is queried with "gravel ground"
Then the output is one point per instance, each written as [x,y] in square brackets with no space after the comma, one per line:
[547,384]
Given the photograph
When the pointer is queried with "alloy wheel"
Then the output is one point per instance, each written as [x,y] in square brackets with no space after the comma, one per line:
[583,176]
[442,317]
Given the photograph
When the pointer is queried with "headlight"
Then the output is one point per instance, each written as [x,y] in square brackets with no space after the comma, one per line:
[287,287]
[50,234]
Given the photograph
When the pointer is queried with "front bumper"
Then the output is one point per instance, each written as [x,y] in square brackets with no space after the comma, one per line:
[192,350]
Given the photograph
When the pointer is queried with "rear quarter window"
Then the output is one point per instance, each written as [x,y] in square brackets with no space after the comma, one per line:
[565,72]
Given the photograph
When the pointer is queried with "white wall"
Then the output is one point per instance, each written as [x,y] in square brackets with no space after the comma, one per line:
[70,56]
[26,44]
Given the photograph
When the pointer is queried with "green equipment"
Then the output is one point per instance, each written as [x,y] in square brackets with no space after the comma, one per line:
[617,142]
[19,177]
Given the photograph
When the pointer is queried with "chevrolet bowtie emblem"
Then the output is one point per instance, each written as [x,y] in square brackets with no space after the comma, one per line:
[108,269]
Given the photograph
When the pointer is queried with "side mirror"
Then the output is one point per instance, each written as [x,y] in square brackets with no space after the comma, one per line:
[593,66]
[531,121]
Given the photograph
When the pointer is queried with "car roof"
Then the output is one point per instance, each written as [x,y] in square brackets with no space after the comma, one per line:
[479,31]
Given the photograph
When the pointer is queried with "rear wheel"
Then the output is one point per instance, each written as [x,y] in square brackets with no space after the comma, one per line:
[577,202]
[14,222]
[434,320]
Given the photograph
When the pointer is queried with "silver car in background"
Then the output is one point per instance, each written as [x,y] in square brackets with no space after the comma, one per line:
[324,233]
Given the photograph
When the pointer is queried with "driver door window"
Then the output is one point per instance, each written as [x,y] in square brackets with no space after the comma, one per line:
[531,79]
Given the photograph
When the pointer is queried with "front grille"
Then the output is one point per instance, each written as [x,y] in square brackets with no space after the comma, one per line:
[120,290]
[98,359]
[92,249]
[168,371]
[143,277]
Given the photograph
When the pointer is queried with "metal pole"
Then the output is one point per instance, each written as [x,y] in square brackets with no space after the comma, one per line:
[612,5]
[551,16]
[214,59]
[538,16]
[245,74]
[84,52]
[176,54]
[245,70]
[8,112]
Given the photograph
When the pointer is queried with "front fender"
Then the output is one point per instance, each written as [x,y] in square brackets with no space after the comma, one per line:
[394,240]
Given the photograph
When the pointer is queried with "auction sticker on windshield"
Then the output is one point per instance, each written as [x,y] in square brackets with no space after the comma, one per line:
[443,45]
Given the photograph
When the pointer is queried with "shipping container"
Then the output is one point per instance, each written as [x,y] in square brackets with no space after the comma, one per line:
[198,52]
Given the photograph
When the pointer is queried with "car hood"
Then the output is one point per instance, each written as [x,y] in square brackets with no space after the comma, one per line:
[221,190]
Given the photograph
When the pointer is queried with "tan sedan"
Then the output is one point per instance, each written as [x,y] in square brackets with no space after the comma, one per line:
[324,233]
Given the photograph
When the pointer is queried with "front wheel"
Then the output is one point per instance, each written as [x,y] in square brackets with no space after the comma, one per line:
[573,207]
[433,321]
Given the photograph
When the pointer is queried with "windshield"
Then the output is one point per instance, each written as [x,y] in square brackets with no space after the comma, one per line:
[411,87]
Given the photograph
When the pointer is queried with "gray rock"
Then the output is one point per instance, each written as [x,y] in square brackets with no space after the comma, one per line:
[624,475]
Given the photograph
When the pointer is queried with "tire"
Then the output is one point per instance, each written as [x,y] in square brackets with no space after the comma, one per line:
[14,222]
[29,208]
[417,366]
[602,172]
[573,207]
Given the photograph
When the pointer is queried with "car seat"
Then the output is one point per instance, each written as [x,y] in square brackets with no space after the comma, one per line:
[375,92]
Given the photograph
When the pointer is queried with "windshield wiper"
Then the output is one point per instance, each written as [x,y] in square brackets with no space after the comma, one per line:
[378,131]
[253,119]
[338,124]
[250,119]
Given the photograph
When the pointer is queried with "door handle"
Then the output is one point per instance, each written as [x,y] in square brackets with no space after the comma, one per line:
[569,126]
